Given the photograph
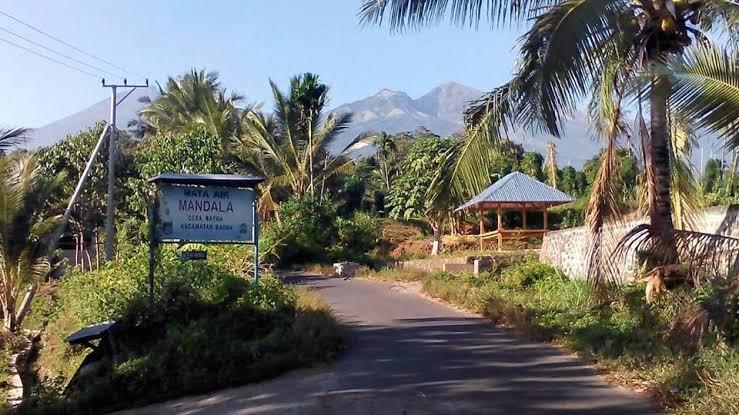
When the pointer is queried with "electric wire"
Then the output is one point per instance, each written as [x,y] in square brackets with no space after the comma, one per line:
[50,59]
[60,54]
[28,25]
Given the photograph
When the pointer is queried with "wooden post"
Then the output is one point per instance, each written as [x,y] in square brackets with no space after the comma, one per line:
[500,229]
[523,213]
[546,219]
[482,227]
[525,236]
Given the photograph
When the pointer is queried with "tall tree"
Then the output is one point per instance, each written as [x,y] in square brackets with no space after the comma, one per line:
[296,146]
[386,156]
[412,193]
[531,164]
[194,100]
[655,51]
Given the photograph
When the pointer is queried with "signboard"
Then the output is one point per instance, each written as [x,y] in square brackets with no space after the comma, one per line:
[206,213]
[194,255]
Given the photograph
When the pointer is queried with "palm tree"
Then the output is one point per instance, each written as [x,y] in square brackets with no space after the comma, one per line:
[194,100]
[651,52]
[291,147]
[23,232]
[386,151]
[9,138]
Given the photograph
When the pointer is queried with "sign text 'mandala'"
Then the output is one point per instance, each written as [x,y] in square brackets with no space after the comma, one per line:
[203,204]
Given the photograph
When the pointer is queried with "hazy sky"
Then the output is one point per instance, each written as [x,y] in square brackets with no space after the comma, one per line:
[247,41]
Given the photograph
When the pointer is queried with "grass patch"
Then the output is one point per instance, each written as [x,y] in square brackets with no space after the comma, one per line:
[629,338]
[207,328]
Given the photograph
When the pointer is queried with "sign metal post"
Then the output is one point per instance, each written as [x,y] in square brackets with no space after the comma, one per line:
[255,237]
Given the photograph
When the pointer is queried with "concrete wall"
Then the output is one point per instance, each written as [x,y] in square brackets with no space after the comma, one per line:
[568,249]
[430,264]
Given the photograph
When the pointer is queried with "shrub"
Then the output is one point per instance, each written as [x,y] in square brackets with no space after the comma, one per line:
[306,229]
[206,327]
[312,231]
[355,237]
[524,275]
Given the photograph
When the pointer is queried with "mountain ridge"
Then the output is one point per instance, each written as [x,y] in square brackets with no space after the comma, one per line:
[440,110]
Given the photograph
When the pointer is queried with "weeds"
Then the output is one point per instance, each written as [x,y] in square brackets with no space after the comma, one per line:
[633,340]
[207,328]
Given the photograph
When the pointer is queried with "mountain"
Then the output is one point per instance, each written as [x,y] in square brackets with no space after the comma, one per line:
[392,112]
[448,101]
[127,111]
[439,110]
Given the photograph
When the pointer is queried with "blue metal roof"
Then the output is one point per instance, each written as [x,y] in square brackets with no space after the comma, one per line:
[517,187]
[228,180]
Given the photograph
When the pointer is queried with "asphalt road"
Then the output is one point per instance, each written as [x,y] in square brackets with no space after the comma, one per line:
[409,355]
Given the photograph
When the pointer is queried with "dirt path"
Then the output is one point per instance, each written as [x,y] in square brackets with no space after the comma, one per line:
[409,355]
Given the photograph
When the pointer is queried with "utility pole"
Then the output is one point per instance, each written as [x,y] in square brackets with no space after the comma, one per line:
[112,143]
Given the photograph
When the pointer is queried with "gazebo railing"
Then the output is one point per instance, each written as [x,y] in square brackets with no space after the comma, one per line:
[507,235]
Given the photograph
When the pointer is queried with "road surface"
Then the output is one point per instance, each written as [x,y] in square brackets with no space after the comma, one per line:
[409,355]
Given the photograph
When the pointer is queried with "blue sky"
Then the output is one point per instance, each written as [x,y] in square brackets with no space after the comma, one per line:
[247,41]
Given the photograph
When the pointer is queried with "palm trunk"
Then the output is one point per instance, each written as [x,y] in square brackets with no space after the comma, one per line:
[661,213]
[9,313]
[310,151]
[438,228]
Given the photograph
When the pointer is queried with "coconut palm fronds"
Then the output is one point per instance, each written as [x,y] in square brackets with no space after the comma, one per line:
[703,258]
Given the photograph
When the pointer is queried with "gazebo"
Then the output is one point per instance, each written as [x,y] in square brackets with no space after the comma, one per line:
[515,192]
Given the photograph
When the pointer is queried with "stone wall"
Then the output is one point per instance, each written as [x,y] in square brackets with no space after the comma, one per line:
[568,249]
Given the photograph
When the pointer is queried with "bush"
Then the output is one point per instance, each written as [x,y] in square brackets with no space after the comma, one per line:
[206,328]
[355,237]
[524,275]
[307,224]
[312,231]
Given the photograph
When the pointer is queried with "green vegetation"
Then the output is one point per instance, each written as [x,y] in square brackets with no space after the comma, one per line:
[207,328]
[23,230]
[611,53]
[311,230]
[319,204]
[640,344]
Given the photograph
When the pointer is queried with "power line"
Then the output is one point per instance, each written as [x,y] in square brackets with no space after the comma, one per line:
[67,44]
[50,59]
[59,53]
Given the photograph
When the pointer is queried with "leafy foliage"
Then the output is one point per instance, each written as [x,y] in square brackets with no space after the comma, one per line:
[638,341]
[23,229]
[290,147]
[69,157]
[407,196]
[193,101]
[202,320]
[609,50]
[312,231]
[193,151]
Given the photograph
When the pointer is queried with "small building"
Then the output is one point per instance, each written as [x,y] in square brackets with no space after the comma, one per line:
[515,192]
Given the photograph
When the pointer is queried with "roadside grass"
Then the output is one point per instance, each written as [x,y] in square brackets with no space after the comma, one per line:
[316,269]
[631,340]
[207,328]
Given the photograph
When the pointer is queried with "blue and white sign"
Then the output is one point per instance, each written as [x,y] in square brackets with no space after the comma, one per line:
[206,214]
